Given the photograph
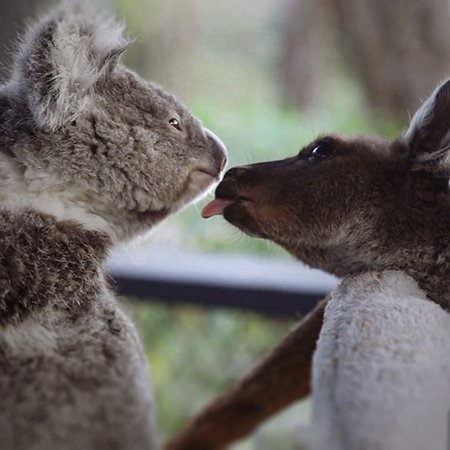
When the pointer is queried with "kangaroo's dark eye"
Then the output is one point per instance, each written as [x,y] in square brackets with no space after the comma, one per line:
[175,123]
[323,150]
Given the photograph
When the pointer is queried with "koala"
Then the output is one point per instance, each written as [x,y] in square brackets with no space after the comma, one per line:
[91,155]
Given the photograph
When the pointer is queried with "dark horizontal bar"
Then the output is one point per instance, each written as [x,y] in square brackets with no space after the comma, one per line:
[267,301]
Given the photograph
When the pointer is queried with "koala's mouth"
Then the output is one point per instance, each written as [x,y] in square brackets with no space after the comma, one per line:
[215,174]
[202,178]
[199,182]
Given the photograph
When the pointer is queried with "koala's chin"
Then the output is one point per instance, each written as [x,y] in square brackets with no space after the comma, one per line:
[90,154]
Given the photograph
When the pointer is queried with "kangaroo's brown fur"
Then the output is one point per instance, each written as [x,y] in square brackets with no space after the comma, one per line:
[346,206]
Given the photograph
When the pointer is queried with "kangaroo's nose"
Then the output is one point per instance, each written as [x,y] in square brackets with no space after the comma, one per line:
[220,153]
[234,172]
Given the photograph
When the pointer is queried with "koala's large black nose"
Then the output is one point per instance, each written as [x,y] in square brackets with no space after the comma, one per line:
[219,150]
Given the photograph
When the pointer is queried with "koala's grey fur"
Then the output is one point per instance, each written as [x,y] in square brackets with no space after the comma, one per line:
[89,156]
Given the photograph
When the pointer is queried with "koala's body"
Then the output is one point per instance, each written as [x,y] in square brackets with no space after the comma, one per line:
[90,155]
[73,374]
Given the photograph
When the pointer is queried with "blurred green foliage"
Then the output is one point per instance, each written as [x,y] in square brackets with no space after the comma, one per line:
[194,354]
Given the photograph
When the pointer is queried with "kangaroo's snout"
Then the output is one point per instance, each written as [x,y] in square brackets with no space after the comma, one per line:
[235,172]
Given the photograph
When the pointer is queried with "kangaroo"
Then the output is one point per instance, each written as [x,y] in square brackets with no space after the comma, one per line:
[91,155]
[377,213]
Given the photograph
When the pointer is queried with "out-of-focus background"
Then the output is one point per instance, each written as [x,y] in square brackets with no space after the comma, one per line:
[267,76]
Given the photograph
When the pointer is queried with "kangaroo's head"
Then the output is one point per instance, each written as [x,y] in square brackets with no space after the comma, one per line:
[86,139]
[348,205]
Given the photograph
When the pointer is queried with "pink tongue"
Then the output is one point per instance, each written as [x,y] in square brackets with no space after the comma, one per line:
[215,208]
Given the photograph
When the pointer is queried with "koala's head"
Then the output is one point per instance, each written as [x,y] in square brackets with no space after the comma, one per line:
[84,138]
[347,205]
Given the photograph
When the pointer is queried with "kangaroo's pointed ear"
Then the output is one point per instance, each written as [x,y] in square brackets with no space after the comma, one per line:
[428,135]
[62,59]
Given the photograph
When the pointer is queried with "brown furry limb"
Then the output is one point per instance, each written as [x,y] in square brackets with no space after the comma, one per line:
[282,377]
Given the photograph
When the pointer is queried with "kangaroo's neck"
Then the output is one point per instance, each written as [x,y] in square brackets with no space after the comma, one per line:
[420,249]
[430,267]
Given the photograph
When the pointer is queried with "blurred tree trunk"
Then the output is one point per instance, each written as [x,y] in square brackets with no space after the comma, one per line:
[399,50]
[169,35]
[303,56]
[12,18]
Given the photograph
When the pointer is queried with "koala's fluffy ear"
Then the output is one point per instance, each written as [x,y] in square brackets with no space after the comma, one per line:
[428,136]
[63,58]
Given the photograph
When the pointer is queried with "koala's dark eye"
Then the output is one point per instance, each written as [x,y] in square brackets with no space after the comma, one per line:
[175,123]
[323,150]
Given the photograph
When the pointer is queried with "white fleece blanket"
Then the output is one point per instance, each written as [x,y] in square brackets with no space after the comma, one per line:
[381,371]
